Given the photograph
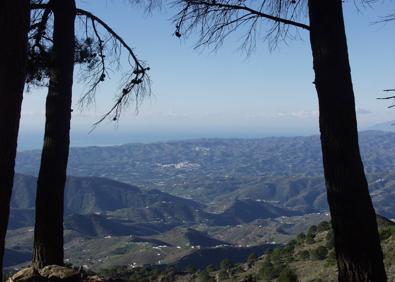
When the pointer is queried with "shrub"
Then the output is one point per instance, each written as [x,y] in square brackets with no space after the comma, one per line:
[270,269]
[288,250]
[226,264]
[190,269]
[312,230]
[276,254]
[385,233]
[323,226]
[331,259]
[140,274]
[210,268]
[204,276]
[287,275]
[223,274]
[319,253]
[268,272]
[238,268]
[168,277]
[301,237]
[292,243]
[252,258]
[310,238]
[304,255]
[249,278]
[113,271]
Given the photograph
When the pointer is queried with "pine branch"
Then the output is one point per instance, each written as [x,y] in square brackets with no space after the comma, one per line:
[249,10]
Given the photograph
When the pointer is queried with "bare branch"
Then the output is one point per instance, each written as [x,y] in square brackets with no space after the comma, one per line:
[96,53]
[112,32]
[215,20]
[41,27]
[101,75]
[148,5]
[250,11]
[136,82]
[388,97]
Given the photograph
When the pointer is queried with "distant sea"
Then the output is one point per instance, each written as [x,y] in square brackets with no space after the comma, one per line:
[31,140]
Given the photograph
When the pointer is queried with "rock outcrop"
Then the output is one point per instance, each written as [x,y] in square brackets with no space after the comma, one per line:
[54,273]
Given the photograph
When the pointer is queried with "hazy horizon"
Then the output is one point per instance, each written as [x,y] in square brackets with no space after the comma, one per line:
[33,139]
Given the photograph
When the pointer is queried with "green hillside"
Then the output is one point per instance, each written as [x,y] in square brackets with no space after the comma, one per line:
[99,203]
[308,257]
[86,195]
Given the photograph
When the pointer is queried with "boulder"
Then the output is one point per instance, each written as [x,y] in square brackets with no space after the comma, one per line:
[25,275]
[54,273]
[59,273]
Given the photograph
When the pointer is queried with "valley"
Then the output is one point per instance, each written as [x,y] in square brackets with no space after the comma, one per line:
[170,203]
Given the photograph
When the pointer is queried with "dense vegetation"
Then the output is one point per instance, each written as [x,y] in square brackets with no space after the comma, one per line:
[308,257]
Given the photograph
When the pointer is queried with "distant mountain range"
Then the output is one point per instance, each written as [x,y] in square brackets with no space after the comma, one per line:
[272,156]
[286,171]
[384,126]
[153,203]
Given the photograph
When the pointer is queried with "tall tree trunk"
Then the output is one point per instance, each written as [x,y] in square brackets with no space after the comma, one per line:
[357,244]
[14,24]
[48,233]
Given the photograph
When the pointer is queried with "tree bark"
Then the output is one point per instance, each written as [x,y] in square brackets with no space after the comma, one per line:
[357,244]
[14,24]
[48,233]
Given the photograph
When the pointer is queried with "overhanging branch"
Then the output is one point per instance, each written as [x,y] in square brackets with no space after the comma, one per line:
[251,11]
[135,84]
[81,12]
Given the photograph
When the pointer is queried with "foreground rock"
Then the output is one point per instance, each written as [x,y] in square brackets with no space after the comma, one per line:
[54,273]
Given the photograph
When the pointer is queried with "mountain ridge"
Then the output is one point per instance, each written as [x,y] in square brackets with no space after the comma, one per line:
[94,204]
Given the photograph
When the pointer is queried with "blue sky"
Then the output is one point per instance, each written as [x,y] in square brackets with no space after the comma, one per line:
[200,93]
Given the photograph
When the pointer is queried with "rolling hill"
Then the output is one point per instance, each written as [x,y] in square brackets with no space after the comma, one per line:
[96,206]
[94,195]
[281,156]
[215,172]
[153,203]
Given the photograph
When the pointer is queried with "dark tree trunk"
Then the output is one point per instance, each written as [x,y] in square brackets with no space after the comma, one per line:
[48,233]
[14,24]
[357,244]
